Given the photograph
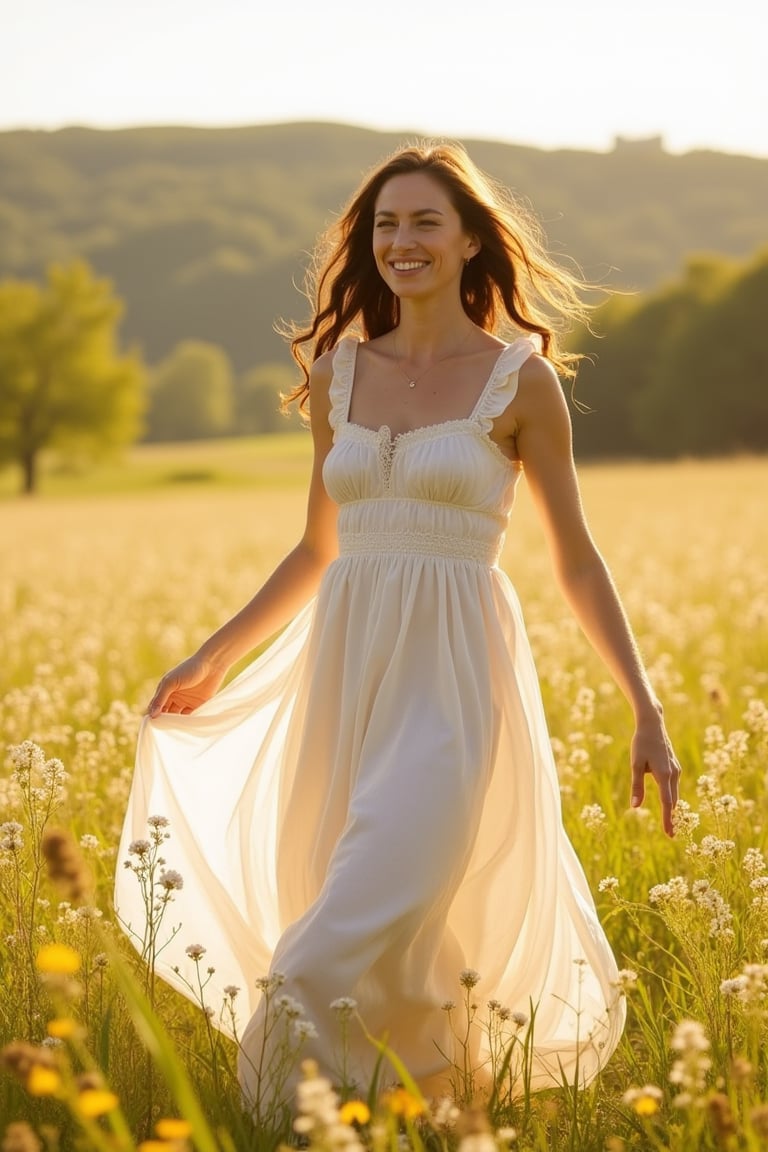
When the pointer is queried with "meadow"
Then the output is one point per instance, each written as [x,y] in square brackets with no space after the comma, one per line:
[109,577]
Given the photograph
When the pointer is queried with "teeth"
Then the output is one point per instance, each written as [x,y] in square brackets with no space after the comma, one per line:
[407,265]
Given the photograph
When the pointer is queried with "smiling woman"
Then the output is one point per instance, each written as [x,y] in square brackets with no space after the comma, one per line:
[371,809]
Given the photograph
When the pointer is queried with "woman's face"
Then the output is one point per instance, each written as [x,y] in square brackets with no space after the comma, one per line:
[419,242]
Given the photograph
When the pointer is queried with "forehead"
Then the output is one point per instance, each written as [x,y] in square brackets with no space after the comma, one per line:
[413,192]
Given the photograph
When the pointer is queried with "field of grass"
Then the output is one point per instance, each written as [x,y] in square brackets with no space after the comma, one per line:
[108,578]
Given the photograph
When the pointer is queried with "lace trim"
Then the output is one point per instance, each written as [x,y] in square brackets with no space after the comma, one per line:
[501,388]
[386,444]
[410,542]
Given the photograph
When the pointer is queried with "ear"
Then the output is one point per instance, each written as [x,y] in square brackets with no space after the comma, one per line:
[473,246]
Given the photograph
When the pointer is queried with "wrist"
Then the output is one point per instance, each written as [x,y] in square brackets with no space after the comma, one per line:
[648,711]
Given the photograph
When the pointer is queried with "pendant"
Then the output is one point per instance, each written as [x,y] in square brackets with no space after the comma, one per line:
[411,383]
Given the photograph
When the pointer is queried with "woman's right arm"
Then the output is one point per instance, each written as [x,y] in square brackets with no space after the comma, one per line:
[292,584]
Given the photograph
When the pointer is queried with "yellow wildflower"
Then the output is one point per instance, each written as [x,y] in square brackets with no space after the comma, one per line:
[58,960]
[43,1081]
[401,1102]
[96,1102]
[63,1028]
[646,1106]
[170,1128]
[354,1112]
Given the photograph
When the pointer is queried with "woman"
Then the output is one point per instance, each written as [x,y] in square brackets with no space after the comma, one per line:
[372,806]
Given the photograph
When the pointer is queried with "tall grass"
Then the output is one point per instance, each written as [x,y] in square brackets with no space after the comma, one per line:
[99,596]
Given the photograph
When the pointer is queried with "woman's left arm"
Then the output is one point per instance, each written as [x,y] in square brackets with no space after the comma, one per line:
[541,429]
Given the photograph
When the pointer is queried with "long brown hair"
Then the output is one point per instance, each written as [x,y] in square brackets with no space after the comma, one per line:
[512,281]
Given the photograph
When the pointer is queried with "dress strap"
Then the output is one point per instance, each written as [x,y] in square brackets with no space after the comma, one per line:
[340,391]
[501,387]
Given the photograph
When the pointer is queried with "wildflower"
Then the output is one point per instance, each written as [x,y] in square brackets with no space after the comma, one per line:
[593,817]
[231,990]
[446,1113]
[608,884]
[195,951]
[644,1101]
[171,880]
[725,805]
[401,1102]
[732,987]
[684,820]
[478,1142]
[269,984]
[344,1007]
[171,1128]
[468,978]
[63,1028]
[722,1118]
[209,1011]
[690,1069]
[158,821]
[290,1007]
[758,1119]
[675,891]
[96,1102]
[506,1135]
[66,866]
[20,1137]
[354,1112]
[519,1019]
[88,842]
[12,839]
[755,983]
[625,980]
[58,960]
[448,1005]
[139,847]
[101,960]
[43,1081]
[304,1030]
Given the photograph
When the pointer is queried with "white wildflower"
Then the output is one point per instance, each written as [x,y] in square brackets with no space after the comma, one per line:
[344,1006]
[593,817]
[468,978]
[195,951]
[139,847]
[608,884]
[89,842]
[171,880]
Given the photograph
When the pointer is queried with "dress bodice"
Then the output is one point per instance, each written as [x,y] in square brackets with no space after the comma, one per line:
[444,489]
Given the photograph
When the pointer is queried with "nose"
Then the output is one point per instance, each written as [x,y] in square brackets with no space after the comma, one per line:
[403,237]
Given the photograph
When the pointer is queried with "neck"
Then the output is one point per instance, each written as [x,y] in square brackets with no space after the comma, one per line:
[424,333]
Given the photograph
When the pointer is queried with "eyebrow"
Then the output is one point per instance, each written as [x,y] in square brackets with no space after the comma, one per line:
[418,212]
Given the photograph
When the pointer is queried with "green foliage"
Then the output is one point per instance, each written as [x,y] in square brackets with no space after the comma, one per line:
[191,394]
[63,382]
[681,370]
[258,401]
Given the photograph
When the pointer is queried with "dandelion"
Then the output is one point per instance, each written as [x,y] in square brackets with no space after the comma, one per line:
[195,951]
[63,1028]
[58,960]
[96,1102]
[171,1128]
[401,1102]
[354,1112]
[468,978]
[43,1081]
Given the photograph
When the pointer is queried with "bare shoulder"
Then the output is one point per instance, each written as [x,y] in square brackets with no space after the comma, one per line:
[540,393]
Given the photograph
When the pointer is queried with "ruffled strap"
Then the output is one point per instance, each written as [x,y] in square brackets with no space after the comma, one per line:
[340,391]
[501,388]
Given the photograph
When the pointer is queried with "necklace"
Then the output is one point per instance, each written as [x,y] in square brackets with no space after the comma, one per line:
[413,380]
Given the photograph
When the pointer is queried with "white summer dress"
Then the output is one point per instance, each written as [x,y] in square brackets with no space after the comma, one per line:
[372,805]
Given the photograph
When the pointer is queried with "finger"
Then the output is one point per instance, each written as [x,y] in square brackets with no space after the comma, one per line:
[638,785]
[675,783]
[158,703]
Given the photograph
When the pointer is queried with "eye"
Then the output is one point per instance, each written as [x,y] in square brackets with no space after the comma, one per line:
[384,223]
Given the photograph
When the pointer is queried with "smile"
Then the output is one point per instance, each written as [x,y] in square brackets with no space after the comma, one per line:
[408,265]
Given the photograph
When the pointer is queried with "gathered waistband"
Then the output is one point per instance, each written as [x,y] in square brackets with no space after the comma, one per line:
[413,542]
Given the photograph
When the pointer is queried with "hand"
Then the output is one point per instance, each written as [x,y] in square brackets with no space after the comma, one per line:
[186,687]
[652,753]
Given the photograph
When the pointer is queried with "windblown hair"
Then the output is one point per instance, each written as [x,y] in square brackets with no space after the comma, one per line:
[512,283]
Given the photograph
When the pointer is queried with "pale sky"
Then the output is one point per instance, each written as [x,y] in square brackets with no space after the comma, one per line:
[551,73]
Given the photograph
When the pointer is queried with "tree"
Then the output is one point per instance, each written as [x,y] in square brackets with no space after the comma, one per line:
[258,400]
[63,383]
[191,393]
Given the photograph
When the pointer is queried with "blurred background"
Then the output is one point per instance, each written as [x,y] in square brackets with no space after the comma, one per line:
[165,169]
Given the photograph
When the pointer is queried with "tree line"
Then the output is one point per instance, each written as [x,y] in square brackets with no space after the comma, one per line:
[682,370]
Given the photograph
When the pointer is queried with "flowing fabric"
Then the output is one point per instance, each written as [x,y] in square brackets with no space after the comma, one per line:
[372,805]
